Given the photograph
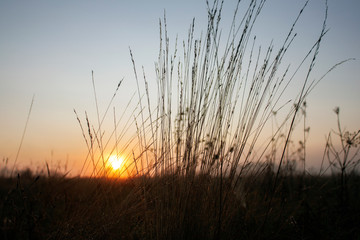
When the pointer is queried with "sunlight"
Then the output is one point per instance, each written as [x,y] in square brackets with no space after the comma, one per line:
[116,162]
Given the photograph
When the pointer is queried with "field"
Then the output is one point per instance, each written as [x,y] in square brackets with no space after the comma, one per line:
[213,155]
[174,207]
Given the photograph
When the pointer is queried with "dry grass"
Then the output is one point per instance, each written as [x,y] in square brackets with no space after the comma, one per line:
[173,207]
[198,170]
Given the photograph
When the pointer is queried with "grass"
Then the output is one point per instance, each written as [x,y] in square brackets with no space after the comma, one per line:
[196,166]
[173,207]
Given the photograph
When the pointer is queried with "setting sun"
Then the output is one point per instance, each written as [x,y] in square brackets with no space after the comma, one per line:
[115,162]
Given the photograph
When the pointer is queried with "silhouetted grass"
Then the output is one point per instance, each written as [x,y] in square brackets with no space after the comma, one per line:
[173,207]
[195,168]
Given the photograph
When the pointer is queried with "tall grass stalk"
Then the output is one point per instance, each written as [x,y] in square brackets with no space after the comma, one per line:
[22,136]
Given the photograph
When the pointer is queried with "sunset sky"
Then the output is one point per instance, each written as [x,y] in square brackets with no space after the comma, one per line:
[49,48]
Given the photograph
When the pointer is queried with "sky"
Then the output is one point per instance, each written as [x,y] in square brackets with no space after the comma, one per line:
[48,49]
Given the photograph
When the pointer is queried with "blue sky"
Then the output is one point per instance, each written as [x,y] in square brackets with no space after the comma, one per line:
[49,48]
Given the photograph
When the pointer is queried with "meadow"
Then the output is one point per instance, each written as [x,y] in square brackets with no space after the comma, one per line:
[174,207]
[197,166]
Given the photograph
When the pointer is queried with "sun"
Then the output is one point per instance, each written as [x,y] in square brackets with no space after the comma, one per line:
[116,162]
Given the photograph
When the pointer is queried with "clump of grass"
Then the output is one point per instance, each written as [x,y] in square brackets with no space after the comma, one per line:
[198,170]
[224,102]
